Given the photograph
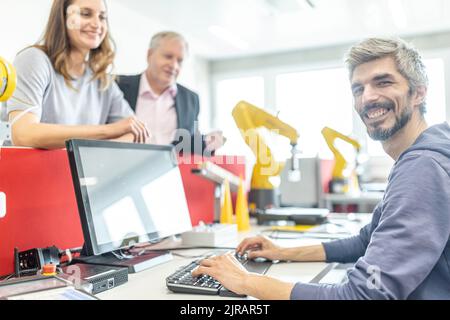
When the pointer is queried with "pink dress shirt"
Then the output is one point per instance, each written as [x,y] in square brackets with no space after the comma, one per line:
[158,112]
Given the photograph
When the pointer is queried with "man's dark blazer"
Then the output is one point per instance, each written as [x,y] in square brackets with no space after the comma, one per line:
[187,105]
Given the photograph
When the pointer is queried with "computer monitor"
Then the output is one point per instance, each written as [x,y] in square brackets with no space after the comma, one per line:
[127,194]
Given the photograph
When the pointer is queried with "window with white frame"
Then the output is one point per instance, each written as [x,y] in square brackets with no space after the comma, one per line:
[312,100]
[228,93]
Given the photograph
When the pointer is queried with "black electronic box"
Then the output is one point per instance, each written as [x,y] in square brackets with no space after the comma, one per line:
[102,278]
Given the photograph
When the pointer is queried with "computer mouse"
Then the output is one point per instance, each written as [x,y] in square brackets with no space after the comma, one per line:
[244,257]
[260,259]
[264,260]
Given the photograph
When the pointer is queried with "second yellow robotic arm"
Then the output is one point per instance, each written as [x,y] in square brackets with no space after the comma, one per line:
[339,183]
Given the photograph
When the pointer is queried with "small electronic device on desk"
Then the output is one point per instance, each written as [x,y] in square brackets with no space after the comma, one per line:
[31,261]
[214,235]
[101,278]
[298,216]
[127,194]
[41,288]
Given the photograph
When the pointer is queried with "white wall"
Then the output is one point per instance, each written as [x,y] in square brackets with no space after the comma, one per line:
[23,24]
[25,21]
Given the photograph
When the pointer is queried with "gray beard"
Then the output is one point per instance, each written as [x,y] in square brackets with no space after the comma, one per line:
[385,134]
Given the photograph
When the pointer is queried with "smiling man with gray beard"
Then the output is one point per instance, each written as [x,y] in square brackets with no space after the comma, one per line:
[404,253]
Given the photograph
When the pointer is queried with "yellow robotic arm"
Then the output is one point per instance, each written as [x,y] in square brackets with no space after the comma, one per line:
[8,84]
[8,80]
[341,182]
[249,118]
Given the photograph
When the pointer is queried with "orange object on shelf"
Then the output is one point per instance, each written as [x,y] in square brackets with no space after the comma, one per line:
[49,270]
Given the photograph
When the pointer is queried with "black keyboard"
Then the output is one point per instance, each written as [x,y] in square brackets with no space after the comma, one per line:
[182,281]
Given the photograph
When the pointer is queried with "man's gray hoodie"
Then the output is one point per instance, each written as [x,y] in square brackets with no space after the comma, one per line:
[405,252]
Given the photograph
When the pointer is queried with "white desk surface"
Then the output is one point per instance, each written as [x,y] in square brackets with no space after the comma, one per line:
[151,284]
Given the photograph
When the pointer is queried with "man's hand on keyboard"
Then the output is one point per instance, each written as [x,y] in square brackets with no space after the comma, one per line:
[226,269]
[260,247]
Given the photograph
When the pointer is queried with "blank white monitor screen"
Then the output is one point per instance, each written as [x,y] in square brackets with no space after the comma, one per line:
[129,193]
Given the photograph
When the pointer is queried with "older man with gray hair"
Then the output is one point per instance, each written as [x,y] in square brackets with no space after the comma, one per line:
[404,253]
[170,110]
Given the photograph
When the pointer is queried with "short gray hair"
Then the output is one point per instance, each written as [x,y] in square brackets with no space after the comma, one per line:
[407,58]
[156,39]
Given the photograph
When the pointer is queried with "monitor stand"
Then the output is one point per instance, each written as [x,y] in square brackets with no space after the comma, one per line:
[134,265]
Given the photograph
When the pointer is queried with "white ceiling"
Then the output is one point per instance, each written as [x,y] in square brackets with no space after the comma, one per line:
[264,26]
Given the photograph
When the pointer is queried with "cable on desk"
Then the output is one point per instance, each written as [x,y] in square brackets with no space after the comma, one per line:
[148,251]
[341,225]
[8,277]
[121,255]
[274,234]
[190,256]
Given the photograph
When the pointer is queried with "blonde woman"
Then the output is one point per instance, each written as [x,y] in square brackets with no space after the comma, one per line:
[66,81]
